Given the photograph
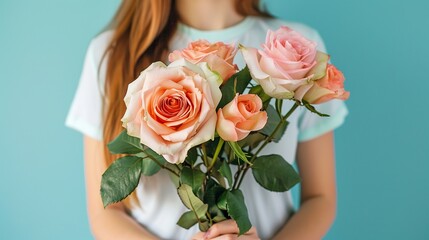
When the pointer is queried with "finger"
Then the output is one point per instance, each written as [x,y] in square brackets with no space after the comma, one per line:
[252,231]
[226,237]
[249,235]
[198,236]
[222,228]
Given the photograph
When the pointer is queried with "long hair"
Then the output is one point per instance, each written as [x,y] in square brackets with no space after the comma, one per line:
[142,30]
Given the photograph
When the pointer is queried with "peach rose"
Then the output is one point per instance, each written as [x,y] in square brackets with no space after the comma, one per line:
[241,116]
[219,56]
[286,62]
[329,87]
[172,108]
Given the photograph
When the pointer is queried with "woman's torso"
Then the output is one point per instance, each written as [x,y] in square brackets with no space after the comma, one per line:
[159,206]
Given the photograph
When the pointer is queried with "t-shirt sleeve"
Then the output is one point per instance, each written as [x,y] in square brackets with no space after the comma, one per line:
[85,114]
[312,125]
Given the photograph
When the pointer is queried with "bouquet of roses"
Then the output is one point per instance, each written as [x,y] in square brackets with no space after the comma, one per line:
[194,119]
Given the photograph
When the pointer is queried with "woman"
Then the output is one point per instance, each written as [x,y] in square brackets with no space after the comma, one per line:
[144,31]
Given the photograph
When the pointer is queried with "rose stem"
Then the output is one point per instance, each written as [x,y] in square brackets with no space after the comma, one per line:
[163,166]
[267,140]
[218,148]
[204,152]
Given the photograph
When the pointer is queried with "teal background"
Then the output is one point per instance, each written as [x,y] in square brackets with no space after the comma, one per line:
[382,150]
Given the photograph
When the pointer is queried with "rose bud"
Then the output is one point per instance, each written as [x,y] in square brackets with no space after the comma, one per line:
[329,87]
[240,116]
[219,56]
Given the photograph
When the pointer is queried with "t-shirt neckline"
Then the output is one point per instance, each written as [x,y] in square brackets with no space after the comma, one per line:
[225,34]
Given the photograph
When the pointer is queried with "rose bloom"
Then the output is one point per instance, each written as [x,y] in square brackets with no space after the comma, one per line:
[219,56]
[172,108]
[329,87]
[240,116]
[287,61]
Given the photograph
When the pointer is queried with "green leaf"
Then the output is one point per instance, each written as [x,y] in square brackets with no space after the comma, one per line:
[235,84]
[229,153]
[155,156]
[312,109]
[239,152]
[237,210]
[211,196]
[125,144]
[221,202]
[190,218]
[218,176]
[219,218]
[152,162]
[273,121]
[225,171]
[120,179]
[192,202]
[252,140]
[149,167]
[174,179]
[192,177]
[192,156]
[274,173]
[187,220]
[213,192]
[204,226]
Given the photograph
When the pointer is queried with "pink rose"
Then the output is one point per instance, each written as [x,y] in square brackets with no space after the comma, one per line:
[329,87]
[172,108]
[241,116]
[286,62]
[219,56]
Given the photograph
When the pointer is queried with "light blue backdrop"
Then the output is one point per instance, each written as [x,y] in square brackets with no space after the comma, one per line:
[382,151]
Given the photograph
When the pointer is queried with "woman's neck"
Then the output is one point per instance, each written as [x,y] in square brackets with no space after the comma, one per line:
[208,14]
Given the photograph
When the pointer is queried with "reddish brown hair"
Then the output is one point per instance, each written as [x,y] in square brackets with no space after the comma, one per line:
[142,30]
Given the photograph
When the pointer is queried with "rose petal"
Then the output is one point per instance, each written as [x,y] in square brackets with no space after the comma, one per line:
[241,134]
[319,70]
[254,123]
[211,86]
[302,90]
[249,104]
[205,133]
[219,65]
[231,112]
[251,58]
[275,90]
[225,128]
[267,65]
[133,107]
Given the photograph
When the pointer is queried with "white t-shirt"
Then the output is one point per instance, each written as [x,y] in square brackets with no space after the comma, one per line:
[161,206]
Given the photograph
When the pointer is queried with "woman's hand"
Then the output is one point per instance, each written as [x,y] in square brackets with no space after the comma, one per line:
[226,230]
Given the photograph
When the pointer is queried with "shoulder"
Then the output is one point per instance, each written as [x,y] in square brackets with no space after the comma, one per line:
[94,68]
[274,23]
[102,39]
[99,44]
